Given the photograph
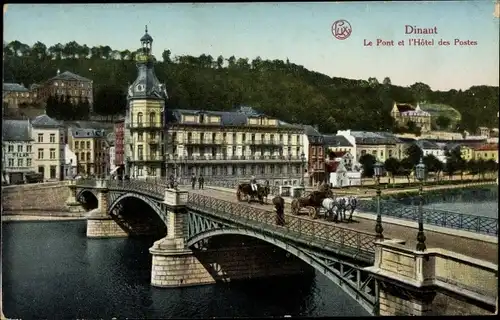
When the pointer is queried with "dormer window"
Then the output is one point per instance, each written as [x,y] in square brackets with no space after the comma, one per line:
[202,118]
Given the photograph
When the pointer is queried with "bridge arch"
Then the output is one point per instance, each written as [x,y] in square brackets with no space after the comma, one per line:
[319,265]
[88,199]
[156,208]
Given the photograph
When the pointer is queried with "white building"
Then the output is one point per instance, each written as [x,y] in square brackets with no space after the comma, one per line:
[48,146]
[111,157]
[70,163]
[350,138]
[344,171]
[429,147]
[17,150]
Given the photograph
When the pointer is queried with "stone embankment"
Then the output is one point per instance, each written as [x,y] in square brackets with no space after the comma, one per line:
[41,197]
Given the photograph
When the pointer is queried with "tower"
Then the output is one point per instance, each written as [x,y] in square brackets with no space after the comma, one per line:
[144,120]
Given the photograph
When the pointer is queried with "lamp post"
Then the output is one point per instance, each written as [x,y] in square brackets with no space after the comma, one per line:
[378,168]
[420,173]
[303,160]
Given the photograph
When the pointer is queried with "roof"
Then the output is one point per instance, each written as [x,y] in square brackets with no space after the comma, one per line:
[15,87]
[237,117]
[88,133]
[16,130]
[310,131]
[46,122]
[487,147]
[424,144]
[373,138]
[336,141]
[403,107]
[70,76]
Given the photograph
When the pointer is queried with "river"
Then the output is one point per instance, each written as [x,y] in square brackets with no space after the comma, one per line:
[480,208]
[51,270]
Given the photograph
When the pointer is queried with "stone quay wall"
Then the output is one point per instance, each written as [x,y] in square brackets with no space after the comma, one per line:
[40,197]
[104,227]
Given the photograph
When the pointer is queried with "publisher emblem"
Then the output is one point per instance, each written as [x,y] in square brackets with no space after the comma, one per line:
[341,29]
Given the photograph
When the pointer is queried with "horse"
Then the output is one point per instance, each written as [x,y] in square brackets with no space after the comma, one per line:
[313,201]
[347,203]
[245,192]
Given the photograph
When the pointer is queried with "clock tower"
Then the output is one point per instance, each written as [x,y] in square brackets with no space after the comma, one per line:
[144,121]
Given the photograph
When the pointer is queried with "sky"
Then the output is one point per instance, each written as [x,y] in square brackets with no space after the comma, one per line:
[301,32]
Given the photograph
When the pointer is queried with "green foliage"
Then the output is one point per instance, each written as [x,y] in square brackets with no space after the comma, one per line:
[279,88]
[414,154]
[443,122]
[110,100]
[367,161]
[62,109]
[392,166]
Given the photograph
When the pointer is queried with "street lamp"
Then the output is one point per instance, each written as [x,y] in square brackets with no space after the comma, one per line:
[420,173]
[378,169]
[303,160]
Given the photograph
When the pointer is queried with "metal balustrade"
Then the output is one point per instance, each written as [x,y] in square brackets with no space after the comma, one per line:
[250,158]
[294,227]
[441,218]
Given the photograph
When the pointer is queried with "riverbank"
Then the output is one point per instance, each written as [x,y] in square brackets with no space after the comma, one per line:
[41,216]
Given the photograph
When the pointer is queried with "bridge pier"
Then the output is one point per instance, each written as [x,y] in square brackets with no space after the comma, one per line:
[173,264]
[432,282]
[72,202]
[99,223]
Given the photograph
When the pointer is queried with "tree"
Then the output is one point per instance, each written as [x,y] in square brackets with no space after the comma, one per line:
[165,56]
[433,164]
[367,161]
[39,50]
[420,91]
[220,62]
[387,81]
[373,82]
[414,154]
[454,162]
[406,168]
[56,51]
[412,126]
[443,122]
[392,166]
[231,62]
[110,100]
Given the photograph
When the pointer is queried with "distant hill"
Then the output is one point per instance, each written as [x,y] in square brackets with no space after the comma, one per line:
[438,109]
[275,87]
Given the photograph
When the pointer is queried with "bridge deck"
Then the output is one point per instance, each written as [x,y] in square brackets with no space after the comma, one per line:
[470,247]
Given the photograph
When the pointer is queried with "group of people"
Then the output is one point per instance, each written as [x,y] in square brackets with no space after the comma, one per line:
[201,181]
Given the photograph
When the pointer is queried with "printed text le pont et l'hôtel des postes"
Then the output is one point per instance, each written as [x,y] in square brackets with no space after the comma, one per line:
[420,39]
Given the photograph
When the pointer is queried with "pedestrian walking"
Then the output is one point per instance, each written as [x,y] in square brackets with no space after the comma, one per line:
[193,181]
[201,181]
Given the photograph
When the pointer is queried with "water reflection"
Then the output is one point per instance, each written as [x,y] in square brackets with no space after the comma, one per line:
[51,270]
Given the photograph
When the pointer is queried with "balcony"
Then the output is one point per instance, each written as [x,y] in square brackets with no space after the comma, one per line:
[148,158]
[144,125]
[266,142]
[232,159]
[204,142]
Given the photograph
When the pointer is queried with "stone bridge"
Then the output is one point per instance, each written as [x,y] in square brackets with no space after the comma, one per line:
[206,236]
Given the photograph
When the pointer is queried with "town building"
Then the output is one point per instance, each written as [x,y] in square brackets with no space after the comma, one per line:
[15,94]
[67,84]
[486,152]
[432,148]
[144,138]
[118,129]
[466,152]
[382,146]
[70,163]
[339,143]
[236,145]
[110,152]
[90,148]
[403,113]
[343,170]
[315,154]
[17,150]
[483,132]
[49,138]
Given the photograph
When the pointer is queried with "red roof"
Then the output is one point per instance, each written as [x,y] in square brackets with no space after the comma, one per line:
[332,166]
[402,107]
[488,147]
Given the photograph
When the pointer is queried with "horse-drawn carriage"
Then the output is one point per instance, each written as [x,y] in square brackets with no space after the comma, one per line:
[324,199]
[258,192]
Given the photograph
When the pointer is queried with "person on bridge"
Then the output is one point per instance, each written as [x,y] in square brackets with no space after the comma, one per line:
[253,183]
[201,181]
[193,181]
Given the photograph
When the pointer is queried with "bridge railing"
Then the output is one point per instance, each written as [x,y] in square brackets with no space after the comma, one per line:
[295,226]
[441,218]
[156,189]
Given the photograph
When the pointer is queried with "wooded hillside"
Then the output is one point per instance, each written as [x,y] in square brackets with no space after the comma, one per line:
[278,88]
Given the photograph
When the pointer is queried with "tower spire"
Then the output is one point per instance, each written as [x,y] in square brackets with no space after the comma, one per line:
[146,28]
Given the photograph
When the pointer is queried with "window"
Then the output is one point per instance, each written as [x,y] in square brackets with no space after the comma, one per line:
[11,148]
[11,162]
[41,169]
[152,118]
[28,162]
[53,172]
[76,145]
[140,137]
[140,171]
[139,117]
[88,156]
[40,153]
[52,138]
[390,153]
[20,162]
[363,152]
[140,152]
[52,153]
[82,145]
[19,148]
[28,149]
[88,144]
[40,137]
[82,156]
